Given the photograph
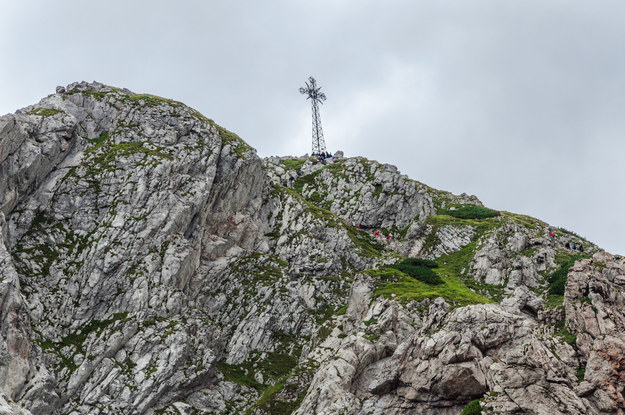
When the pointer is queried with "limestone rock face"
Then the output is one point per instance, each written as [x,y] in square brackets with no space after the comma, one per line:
[152,263]
[594,303]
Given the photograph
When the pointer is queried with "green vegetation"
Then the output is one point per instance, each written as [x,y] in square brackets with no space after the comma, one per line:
[566,335]
[240,374]
[278,364]
[279,395]
[96,94]
[104,154]
[420,262]
[393,283]
[469,212]
[473,408]
[557,279]
[365,244]
[455,265]
[341,311]
[293,164]
[239,146]
[524,220]
[529,252]
[44,112]
[580,373]
[98,142]
[74,341]
[453,283]
[262,269]
[554,300]
[309,179]
[271,404]
[153,100]
[480,226]
[423,273]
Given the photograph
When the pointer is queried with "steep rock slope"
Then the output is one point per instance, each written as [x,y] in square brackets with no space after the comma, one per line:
[152,263]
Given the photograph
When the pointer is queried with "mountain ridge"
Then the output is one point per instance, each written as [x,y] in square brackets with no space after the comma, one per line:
[153,263]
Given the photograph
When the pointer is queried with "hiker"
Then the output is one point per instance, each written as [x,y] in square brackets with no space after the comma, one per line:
[567,245]
[573,245]
[552,234]
[388,238]
[581,247]
[377,234]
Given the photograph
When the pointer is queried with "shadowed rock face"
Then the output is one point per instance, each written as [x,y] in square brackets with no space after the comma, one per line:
[150,263]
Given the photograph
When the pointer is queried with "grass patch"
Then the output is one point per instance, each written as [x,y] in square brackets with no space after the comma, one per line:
[269,403]
[293,164]
[105,160]
[480,227]
[363,242]
[469,212]
[554,301]
[259,269]
[75,341]
[309,179]
[44,112]
[420,262]
[341,311]
[99,95]
[524,220]
[423,273]
[557,279]
[393,283]
[239,374]
[98,141]
[456,264]
[455,287]
[153,100]
[239,146]
[563,333]
[278,364]
[529,252]
[473,408]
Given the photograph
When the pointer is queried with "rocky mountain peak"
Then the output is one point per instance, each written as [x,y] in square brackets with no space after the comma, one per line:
[152,263]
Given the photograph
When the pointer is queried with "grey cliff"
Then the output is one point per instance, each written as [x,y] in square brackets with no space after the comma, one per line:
[152,263]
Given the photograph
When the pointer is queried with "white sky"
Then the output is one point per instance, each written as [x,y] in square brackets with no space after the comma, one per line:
[518,102]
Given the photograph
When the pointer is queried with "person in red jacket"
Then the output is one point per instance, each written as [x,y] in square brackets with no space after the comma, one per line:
[377,234]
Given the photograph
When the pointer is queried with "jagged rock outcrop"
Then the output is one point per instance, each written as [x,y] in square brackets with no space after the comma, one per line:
[151,263]
[595,302]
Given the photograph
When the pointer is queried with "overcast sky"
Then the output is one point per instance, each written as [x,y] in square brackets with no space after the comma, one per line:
[521,103]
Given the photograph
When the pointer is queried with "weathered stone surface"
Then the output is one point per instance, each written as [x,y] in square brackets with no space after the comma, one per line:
[150,262]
